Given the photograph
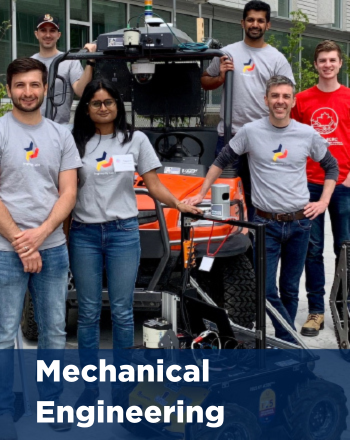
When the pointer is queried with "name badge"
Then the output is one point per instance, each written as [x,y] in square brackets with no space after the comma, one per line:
[123,162]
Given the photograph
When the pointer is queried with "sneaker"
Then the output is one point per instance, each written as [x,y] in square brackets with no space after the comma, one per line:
[87,398]
[313,325]
[8,430]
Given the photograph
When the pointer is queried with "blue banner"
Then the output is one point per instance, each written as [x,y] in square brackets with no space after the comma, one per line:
[211,394]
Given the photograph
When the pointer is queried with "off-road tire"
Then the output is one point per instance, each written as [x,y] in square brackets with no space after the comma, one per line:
[316,411]
[231,284]
[28,324]
[239,424]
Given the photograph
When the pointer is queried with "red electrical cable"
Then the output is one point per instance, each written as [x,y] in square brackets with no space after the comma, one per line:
[217,250]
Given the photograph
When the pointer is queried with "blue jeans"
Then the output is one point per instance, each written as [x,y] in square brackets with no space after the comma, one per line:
[339,212]
[288,242]
[114,246]
[244,174]
[49,293]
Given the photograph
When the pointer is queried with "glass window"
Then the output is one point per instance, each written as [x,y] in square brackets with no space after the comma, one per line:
[188,24]
[226,33]
[309,44]
[79,36]
[283,8]
[136,11]
[107,16]
[5,38]
[278,39]
[79,10]
[337,14]
[342,76]
[28,12]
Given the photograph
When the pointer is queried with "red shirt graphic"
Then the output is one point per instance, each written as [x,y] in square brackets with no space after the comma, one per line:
[329,114]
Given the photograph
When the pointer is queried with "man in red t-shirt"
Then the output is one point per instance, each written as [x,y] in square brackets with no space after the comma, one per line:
[326,107]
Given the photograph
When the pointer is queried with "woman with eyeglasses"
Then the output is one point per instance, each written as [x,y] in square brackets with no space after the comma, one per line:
[104,230]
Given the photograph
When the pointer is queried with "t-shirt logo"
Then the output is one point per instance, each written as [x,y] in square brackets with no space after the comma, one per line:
[324,120]
[102,162]
[249,67]
[31,153]
[278,153]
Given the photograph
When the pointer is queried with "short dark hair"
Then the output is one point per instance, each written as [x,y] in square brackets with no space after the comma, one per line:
[279,80]
[84,129]
[256,5]
[327,46]
[23,65]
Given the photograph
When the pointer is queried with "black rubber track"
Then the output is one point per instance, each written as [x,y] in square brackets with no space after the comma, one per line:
[344,352]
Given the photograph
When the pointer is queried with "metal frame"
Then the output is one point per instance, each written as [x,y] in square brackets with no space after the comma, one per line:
[339,296]
[208,54]
[165,239]
[260,266]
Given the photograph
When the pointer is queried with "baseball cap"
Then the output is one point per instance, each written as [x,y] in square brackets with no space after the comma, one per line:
[47,18]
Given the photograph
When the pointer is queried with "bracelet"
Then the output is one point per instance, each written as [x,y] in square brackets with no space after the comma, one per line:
[177,204]
[91,63]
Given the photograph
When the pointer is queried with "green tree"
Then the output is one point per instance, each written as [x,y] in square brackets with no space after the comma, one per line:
[304,72]
[4,106]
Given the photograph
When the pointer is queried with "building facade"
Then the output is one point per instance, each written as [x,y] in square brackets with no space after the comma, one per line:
[83,20]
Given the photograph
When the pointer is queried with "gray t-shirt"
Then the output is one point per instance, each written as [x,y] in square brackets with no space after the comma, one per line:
[31,158]
[103,194]
[253,68]
[71,71]
[277,162]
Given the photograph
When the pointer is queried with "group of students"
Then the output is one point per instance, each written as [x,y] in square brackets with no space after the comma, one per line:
[324,107]
[47,172]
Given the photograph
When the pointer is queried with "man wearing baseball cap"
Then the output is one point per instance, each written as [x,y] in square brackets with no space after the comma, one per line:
[48,33]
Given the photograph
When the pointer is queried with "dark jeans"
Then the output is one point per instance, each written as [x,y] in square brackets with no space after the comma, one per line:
[339,211]
[288,242]
[244,174]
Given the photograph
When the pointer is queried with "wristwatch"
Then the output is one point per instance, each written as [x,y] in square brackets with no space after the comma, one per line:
[91,63]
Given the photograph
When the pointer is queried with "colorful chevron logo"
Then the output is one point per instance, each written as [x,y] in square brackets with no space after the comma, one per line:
[30,153]
[102,162]
[279,154]
[249,67]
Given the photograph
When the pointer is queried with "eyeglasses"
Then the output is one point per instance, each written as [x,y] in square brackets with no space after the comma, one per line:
[98,104]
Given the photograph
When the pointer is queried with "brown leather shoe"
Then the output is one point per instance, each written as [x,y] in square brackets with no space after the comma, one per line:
[313,325]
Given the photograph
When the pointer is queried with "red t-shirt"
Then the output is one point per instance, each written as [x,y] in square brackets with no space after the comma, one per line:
[329,114]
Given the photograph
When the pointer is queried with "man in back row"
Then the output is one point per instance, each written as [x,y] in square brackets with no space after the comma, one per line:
[277,149]
[48,33]
[254,62]
[326,108]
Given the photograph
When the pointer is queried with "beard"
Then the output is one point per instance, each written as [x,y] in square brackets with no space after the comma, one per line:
[257,36]
[16,103]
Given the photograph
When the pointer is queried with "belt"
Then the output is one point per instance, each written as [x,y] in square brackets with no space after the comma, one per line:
[287,217]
